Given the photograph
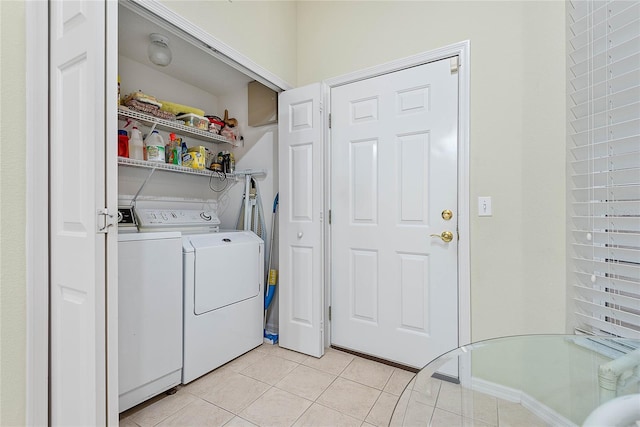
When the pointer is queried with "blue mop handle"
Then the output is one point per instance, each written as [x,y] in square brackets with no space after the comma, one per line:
[273,274]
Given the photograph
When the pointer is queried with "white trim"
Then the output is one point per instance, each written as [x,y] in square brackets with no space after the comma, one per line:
[195,34]
[462,50]
[496,390]
[111,202]
[326,100]
[540,410]
[37,208]
[465,369]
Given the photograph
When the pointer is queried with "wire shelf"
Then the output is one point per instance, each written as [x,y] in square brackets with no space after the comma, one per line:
[189,171]
[175,126]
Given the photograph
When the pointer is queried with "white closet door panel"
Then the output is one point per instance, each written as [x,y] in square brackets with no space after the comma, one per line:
[301,281]
[77,82]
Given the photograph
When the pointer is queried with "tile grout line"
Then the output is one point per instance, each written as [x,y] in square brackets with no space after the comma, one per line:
[366,385]
[217,406]
[301,415]
[380,395]
[373,406]
[404,413]
[324,391]
[389,379]
[176,411]
[331,383]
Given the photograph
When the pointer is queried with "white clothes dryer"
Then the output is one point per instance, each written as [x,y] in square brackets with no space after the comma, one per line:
[223,299]
[223,288]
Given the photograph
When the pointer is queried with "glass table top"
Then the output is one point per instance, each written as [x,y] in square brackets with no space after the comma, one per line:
[533,380]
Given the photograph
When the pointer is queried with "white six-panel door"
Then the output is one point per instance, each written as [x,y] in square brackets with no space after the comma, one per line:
[77,191]
[300,281]
[393,173]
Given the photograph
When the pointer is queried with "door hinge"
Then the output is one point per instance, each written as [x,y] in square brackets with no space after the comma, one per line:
[455,64]
[106,220]
[329,120]
[329,312]
[329,216]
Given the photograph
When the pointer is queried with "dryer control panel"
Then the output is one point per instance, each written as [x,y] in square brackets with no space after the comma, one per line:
[176,218]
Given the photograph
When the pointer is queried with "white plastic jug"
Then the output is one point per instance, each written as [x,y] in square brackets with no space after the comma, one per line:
[155,147]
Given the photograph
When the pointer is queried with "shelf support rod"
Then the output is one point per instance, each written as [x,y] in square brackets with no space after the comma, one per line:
[133,202]
[247,209]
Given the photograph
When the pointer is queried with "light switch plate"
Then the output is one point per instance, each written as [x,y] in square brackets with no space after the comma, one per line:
[484,206]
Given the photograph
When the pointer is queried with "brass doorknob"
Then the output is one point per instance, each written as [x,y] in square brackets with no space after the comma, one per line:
[446,236]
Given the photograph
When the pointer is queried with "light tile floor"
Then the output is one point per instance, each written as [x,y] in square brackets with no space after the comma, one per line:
[273,387]
[438,403]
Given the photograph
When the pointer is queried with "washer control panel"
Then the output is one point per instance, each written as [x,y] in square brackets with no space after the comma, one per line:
[125,217]
[176,218]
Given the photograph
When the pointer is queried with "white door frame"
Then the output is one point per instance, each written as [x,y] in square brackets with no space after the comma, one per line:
[462,50]
[37,208]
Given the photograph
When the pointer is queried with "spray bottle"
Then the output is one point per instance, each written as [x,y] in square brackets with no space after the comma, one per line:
[167,149]
[136,146]
[173,152]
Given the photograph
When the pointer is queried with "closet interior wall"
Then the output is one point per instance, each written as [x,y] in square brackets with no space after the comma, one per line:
[173,83]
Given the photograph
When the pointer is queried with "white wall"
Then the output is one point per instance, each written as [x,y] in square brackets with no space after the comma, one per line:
[136,76]
[516,138]
[257,151]
[12,214]
[264,31]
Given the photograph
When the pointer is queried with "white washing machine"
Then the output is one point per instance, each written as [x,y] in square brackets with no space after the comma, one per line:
[149,312]
[223,288]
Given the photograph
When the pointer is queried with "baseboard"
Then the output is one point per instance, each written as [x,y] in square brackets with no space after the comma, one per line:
[537,408]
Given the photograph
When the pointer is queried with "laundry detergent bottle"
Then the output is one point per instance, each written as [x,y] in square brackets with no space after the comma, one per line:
[123,143]
[136,146]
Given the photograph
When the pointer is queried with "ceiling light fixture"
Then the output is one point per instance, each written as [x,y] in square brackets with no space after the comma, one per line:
[158,50]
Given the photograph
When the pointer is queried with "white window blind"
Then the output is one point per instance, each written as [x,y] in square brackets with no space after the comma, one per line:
[604,141]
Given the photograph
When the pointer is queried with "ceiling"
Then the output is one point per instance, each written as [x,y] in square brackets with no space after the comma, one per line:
[190,64]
